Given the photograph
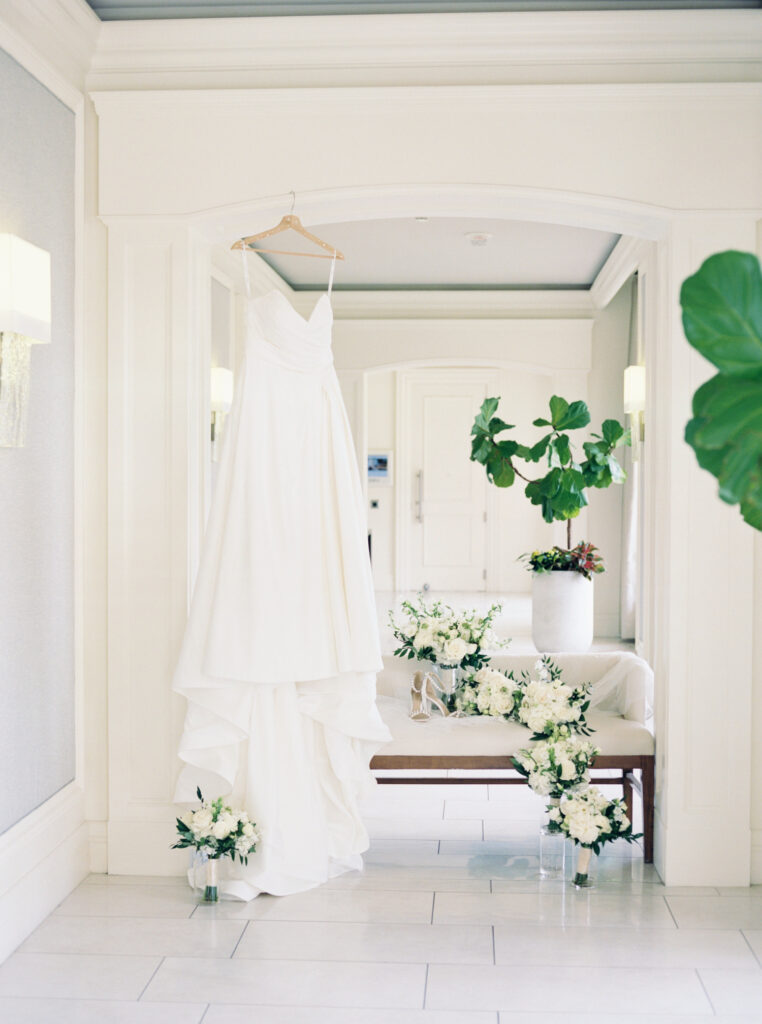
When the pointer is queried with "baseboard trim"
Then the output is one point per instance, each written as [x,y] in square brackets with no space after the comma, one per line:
[98,845]
[756,856]
[42,859]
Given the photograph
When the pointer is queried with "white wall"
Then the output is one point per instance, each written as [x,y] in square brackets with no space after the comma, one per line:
[525,393]
[45,854]
[611,330]
[629,158]
[37,481]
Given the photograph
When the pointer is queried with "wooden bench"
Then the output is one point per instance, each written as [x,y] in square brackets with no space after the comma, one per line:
[480,745]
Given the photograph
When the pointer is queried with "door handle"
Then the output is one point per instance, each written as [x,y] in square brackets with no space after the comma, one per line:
[419,499]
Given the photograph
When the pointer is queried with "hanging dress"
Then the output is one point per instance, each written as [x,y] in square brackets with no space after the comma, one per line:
[281,650]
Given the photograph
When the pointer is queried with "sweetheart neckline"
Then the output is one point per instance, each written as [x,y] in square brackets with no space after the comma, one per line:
[305,320]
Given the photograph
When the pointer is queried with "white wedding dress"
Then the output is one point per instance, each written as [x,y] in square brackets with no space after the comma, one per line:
[281,650]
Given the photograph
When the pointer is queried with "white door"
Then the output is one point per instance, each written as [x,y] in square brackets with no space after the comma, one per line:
[445,508]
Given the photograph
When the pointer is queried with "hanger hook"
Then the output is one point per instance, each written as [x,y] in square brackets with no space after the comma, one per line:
[293,202]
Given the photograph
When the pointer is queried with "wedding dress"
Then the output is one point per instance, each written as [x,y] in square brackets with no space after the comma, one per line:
[281,650]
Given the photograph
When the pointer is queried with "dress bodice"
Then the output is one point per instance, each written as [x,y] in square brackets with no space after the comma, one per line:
[278,334]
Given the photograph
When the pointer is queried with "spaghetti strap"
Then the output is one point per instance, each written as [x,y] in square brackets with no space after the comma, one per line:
[246,278]
[330,279]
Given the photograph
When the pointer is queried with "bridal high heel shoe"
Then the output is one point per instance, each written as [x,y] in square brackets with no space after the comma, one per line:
[423,695]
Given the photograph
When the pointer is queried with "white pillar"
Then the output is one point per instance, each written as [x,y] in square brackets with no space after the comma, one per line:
[701,582]
[159,283]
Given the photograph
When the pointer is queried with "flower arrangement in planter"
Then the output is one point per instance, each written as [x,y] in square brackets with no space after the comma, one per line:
[583,558]
[216,830]
[562,605]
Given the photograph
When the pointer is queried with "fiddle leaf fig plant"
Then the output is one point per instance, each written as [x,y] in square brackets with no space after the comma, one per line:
[722,319]
[560,492]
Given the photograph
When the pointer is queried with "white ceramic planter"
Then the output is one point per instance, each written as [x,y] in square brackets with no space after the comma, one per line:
[562,612]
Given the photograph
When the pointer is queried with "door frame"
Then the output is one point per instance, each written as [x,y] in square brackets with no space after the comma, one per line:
[406,378]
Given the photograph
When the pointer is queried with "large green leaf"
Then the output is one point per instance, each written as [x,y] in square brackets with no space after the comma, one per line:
[722,312]
[722,318]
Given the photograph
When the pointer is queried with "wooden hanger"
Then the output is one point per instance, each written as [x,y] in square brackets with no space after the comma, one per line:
[292,222]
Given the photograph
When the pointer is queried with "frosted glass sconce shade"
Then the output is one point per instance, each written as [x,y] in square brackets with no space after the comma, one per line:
[222,389]
[24,321]
[634,389]
[24,289]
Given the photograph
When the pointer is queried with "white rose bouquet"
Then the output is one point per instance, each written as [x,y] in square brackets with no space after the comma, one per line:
[554,767]
[217,831]
[590,820]
[437,633]
[548,706]
[486,692]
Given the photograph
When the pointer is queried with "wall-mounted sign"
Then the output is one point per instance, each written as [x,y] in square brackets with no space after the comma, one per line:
[380,468]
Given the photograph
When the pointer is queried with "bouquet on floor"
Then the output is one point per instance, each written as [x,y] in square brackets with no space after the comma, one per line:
[216,830]
[590,820]
[436,632]
[555,767]
[548,706]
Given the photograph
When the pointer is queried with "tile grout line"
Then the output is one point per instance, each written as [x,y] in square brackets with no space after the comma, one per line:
[671,913]
[494,957]
[245,928]
[201,1018]
[433,903]
[150,979]
[425,987]
[751,948]
[703,987]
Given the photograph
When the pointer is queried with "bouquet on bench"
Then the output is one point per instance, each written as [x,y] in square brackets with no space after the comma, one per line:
[454,643]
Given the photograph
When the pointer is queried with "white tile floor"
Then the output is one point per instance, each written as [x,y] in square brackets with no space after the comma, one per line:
[442,927]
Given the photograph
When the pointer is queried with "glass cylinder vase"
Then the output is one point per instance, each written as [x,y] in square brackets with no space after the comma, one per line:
[449,677]
[211,888]
[552,846]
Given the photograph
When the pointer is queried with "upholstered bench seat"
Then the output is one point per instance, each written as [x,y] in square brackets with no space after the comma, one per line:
[476,746]
[484,736]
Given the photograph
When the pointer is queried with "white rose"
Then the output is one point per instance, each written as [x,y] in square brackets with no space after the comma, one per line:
[455,649]
[248,829]
[568,771]
[540,784]
[220,830]
[202,820]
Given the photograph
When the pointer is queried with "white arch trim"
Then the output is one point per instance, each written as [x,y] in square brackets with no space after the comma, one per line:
[223,224]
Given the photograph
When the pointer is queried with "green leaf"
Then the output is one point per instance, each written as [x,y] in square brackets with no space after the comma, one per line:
[612,431]
[722,312]
[541,423]
[560,450]
[496,425]
[558,409]
[501,471]
[575,416]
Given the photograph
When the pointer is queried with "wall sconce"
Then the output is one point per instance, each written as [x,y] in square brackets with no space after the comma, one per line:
[24,321]
[221,401]
[635,404]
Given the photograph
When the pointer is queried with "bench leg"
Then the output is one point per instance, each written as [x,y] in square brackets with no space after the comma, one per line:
[627,793]
[647,792]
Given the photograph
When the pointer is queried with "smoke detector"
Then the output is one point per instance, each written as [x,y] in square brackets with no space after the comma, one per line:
[478,238]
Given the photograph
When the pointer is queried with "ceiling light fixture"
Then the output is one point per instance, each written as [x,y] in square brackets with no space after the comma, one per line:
[422,220]
[478,238]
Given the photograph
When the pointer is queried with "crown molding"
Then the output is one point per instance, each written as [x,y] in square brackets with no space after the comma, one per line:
[52,38]
[625,258]
[449,305]
[457,49]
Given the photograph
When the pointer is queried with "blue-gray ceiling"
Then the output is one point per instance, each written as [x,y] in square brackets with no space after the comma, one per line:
[137,10]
